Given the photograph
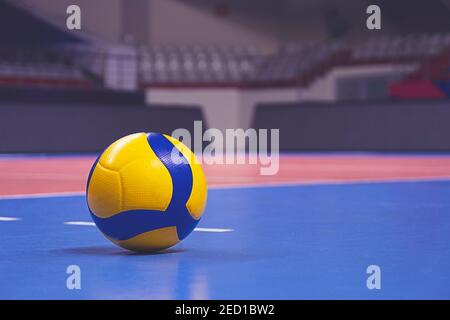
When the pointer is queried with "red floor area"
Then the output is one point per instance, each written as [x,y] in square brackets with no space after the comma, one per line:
[65,174]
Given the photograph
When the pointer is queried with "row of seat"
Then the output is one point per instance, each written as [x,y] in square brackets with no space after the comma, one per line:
[40,70]
[399,47]
[290,62]
[236,64]
[214,64]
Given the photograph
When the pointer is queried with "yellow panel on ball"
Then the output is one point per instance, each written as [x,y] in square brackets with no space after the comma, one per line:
[105,192]
[146,184]
[151,240]
[123,151]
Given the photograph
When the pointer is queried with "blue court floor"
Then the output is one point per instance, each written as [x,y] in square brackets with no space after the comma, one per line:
[293,242]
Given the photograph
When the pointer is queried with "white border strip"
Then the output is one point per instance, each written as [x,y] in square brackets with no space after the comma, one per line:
[9,219]
[80,223]
[213,230]
[92,224]
[254,185]
[331,182]
[42,195]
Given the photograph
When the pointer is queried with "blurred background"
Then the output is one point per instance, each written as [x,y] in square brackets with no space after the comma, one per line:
[310,68]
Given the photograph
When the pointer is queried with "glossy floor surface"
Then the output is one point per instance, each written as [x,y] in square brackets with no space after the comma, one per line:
[298,238]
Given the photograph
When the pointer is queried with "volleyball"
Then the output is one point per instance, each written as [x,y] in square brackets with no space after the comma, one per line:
[146,192]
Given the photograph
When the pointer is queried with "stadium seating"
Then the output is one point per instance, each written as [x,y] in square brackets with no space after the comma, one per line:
[236,66]
[295,64]
[36,67]
[198,65]
[400,47]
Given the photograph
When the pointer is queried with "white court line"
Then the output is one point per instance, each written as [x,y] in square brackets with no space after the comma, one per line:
[330,182]
[9,219]
[43,195]
[255,185]
[88,223]
[212,230]
[40,176]
[80,223]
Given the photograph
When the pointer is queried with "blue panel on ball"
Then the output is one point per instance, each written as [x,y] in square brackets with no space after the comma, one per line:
[128,224]
[181,173]
[90,173]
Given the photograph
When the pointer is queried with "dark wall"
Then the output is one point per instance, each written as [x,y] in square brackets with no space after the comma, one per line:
[83,127]
[384,126]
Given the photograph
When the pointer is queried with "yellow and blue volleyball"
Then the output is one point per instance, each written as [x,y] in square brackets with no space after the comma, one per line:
[146,192]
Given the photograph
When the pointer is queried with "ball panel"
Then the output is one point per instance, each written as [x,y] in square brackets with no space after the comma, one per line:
[125,150]
[104,192]
[150,241]
[197,199]
[146,184]
[128,224]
